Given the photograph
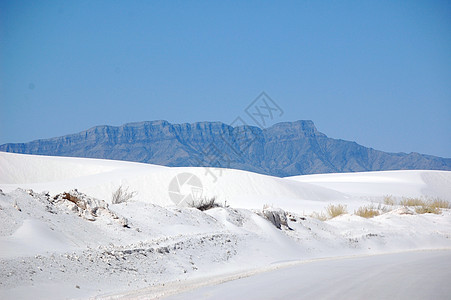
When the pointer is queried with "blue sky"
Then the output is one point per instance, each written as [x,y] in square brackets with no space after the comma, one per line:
[374,72]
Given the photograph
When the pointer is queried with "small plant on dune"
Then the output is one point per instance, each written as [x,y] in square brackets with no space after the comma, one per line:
[336,210]
[332,211]
[389,200]
[432,207]
[412,202]
[205,203]
[439,203]
[367,212]
[122,195]
[427,209]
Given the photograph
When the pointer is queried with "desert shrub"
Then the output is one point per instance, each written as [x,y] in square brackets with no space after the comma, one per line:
[205,203]
[122,195]
[439,203]
[426,206]
[422,206]
[367,212]
[332,211]
[412,202]
[336,210]
[389,200]
[432,206]
[427,209]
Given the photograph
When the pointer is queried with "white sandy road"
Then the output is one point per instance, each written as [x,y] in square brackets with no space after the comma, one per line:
[406,275]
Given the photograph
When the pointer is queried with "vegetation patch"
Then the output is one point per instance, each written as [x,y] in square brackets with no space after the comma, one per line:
[336,210]
[205,203]
[426,206]
[332,211]
[389,200]
[427,209]
[412,202]
[433,206]
[367,212]
[121,195]
[439,203]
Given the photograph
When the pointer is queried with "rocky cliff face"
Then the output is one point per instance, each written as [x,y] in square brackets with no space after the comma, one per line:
[285,149]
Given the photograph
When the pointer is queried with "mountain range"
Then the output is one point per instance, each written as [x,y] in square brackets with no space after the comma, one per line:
[284,149]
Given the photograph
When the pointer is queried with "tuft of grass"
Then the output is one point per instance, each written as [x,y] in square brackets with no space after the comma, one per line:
[204,204]
[439,203]
[122,195]
[412,202]
[431,206]
[427,209]
[389,200]
[332,211]
[336,210]
[367,212]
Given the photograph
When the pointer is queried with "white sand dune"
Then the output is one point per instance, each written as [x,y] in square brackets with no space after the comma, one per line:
[100,178]
[411,183]
[50,250]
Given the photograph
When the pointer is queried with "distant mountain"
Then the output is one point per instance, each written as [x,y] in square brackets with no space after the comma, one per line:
[285,149]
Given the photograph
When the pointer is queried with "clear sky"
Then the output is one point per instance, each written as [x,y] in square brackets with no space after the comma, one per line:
[374,72]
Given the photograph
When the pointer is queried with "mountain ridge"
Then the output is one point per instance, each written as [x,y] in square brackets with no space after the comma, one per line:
[284,149]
